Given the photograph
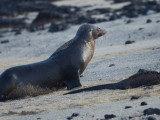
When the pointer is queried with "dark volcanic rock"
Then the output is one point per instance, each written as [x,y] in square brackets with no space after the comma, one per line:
[18,33]
[109,116]
[73,115]
[4,41]
[140,28]
[48,15]
[127,107]
[88,19]
[151,111]
[130,11]
[68,10]
[148,21]
[56,13]
[44,17]
[135,97]
[17,30]
[99,11]
[114,16]
[67,14]
[152,3]
[119,1]
[143,103]
[130,117]
[151,118]
[53,15]
[58,27]
[158,21]
[111,65]
[137,8]
[11,22]
[32,6]
[129,42]
[141,78]
[12,8]
[129,21]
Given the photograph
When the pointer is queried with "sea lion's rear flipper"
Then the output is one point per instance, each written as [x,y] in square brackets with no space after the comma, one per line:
[72,81]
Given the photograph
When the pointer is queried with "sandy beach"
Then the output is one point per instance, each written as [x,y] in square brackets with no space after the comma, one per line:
[112,62]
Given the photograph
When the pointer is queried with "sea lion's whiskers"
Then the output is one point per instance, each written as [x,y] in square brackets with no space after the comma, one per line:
[104,37]
[101,42]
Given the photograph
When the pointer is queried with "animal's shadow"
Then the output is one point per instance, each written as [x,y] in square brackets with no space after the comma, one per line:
[141,78]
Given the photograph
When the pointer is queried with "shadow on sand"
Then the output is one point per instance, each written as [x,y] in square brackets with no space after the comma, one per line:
[141,78]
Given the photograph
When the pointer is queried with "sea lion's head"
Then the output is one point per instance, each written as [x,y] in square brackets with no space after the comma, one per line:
[89,32]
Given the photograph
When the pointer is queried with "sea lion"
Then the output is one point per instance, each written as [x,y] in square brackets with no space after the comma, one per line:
[62,68]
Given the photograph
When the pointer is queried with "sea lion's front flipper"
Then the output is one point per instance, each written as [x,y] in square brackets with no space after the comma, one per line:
[72,84]
[72,81]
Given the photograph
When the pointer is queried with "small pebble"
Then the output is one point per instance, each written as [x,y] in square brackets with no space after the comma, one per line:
[129,21]
[129,42]
[4,41]
[75,114]
[109,116]
[135,97]
[69,118]
[140,28]
[130,117]
[126,107]
[148,21]
[111,65]
[157,21]
[143,103]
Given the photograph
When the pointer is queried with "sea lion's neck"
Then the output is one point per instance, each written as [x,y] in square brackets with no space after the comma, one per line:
[87,54]
[83,37]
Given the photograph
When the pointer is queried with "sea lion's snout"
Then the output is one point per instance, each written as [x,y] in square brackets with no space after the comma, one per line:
[101,32]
